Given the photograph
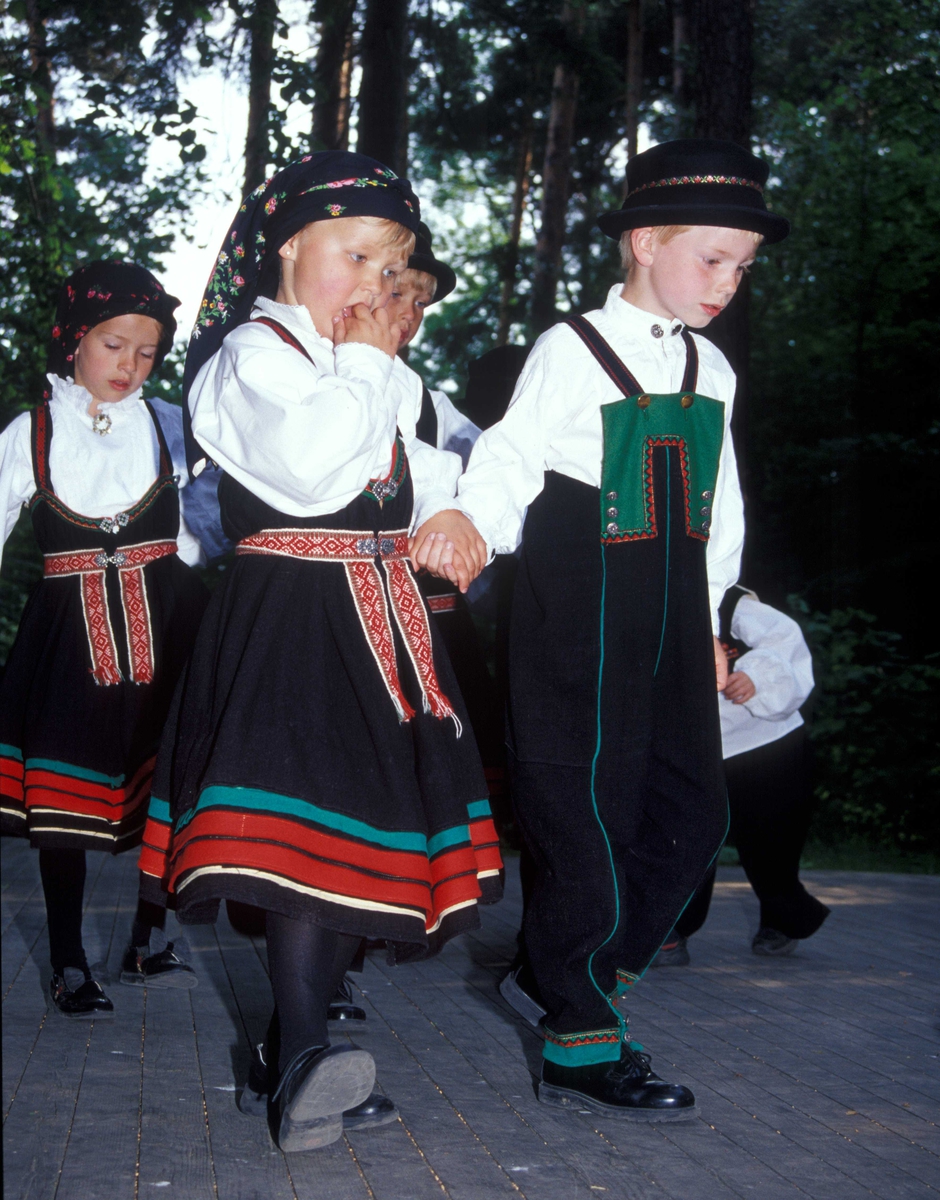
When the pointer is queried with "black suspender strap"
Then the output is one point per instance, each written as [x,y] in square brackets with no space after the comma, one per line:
[614,366]
[166,461]
[690,378]
[605,355]
[426,428]
[284,334]
[41,419]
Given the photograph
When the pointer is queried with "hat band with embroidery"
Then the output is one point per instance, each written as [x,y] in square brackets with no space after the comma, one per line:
[679,180]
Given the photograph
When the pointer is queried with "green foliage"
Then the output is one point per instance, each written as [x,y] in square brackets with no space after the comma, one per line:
[875,732]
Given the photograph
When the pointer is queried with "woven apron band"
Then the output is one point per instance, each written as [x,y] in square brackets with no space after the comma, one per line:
[90,566]
[361,554]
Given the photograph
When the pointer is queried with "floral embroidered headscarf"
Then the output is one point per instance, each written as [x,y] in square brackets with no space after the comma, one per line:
[97,292]
[319,187]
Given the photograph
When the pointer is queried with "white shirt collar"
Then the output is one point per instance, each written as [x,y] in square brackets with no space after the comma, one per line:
[293,316]
[637,322]
[76,399]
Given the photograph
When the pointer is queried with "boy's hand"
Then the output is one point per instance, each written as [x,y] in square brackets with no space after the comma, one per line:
[449,546]
[740,687]
[358,324]
[721,665]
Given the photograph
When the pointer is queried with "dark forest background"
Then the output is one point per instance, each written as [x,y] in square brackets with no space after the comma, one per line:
[522,113]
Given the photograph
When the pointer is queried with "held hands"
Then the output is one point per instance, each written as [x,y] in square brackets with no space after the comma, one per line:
[358,324]
[740,687]
[721,665]
[449,546]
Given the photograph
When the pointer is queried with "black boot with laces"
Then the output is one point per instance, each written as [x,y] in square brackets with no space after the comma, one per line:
[628,1089]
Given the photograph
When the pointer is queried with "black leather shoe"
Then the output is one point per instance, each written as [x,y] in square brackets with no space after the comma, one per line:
[86,1003]
[140,968]
[342,1012]
[516,989]
[317,1087]
[771,943]
[375,1110]
[628,1089]
[673,953]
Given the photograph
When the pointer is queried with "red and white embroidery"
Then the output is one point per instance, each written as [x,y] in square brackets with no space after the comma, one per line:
[361,553]
[91,565]
[439,604]
[412,620]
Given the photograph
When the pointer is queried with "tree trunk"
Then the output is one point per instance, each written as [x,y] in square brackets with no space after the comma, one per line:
[720,88]
[40,68]
[723,35]
[261,23]
[556,174]
[680,36]
[332,74]
[634,76]
[520,192]
[383,93]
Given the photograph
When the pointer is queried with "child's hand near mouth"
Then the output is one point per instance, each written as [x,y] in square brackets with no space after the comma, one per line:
[358,324]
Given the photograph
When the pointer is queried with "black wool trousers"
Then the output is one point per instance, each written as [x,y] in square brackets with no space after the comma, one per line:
[616,768]
[769,801]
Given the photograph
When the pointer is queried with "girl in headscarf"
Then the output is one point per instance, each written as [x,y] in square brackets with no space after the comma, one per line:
[312,765]
[105,634]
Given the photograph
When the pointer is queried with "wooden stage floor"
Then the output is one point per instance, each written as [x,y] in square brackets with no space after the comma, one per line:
[816,1076]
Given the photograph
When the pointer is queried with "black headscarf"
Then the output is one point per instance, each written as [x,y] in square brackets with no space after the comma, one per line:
[97,292]
[320,187]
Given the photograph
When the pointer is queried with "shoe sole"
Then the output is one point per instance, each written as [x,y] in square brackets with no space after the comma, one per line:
[564,1098]
[314,1117]
[336,1026]
[516,998]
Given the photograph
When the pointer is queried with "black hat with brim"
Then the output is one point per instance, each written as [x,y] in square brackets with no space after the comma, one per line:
[696,181]
[423,260]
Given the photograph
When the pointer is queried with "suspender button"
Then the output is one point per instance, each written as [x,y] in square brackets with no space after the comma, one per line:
[643,401]
[687,400]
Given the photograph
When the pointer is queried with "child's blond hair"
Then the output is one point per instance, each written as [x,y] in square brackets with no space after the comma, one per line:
[663,233]
[418,279]
[397,236]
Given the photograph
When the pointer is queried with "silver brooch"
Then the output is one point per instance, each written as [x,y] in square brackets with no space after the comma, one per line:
[101,424]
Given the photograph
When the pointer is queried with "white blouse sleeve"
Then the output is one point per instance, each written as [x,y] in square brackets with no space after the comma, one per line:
[726,539]
[455,432]
[779,663]
[311,432]
[507,467]
[17,483]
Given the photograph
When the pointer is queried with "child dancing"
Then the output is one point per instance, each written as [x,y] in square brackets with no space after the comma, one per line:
[104,636]
[312,764]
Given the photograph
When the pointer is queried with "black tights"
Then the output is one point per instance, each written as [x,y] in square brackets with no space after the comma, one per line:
[63,884]
[307,964]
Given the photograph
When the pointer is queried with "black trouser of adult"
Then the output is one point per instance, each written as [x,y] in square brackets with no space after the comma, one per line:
[616,772]
[306,963]
[769,798]
[63,884]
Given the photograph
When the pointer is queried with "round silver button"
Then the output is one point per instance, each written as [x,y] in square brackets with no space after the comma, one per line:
[708,495]
[611,495]
[612,528]
[613,512]
[657,331]
[706,510]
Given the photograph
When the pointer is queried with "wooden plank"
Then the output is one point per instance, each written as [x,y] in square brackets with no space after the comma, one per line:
[247,1163]
[174,1142]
